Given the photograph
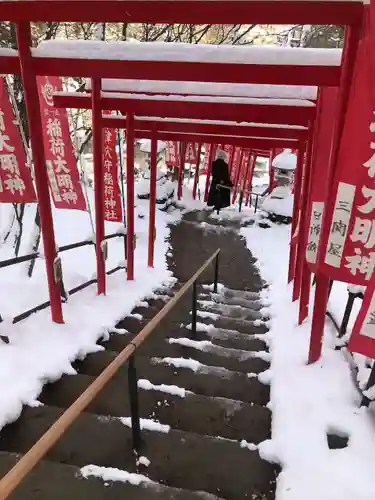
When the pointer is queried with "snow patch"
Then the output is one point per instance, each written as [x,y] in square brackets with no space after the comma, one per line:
[147,424]
[112,474]
[174,390]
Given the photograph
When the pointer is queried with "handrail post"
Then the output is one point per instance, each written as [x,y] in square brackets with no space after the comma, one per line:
[256,204]
[347,313]
[240,202]
[194,311]
[216,276]
[134,406]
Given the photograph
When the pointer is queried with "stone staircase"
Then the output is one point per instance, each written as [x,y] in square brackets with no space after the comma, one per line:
[202,398]
[202,406]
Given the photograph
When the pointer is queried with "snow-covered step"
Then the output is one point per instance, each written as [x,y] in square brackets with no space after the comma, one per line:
[57,481]
[231,311]
[171,404]
[208,352]
[188,373]
[238,324]
[255,304]
[174,458]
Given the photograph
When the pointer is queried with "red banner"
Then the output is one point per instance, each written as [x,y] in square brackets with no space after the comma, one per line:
[207,149]
[236,161]
[16,184]
[349,255]
[191,152]
[362,339]
[60,160]
[171,154]
[112,199]
[324,126]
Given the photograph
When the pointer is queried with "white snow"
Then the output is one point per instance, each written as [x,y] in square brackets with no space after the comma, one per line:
[204,88]
[207,315]
[309,401]
[145,145]
[174,390]
[201,345]
[286,160]
[147,424]
[249,446]
[211,122]
[202,53]
[112,474]
[280,206]
[143,461]
[40,351]
[189,363]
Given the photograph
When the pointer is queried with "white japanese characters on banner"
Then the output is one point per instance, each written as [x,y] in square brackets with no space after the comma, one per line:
[349,255]
[16,184]
[171,154]
[191,152]
[112,199]
[317,210]
[60,160]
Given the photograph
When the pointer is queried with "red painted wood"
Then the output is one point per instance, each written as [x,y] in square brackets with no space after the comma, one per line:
[181,170]
[130,195]
[291,115]
[296,208]
[352,39]
[196,173]
[204,128]
[41,179]
[184,71]
[97,140]
[209,170]
[184,11]
[151,230]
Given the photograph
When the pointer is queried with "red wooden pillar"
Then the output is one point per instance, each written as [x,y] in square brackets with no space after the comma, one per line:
[247,175]
[151,229]
[41,179]
[231,162]
[237,177]
[196,174]
[296,207]
[303,213]
[97,141]
[181,171]
[271,171]
[130,193]
[352,38]
[209,169]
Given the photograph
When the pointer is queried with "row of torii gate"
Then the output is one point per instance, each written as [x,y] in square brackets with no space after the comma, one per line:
[254,97]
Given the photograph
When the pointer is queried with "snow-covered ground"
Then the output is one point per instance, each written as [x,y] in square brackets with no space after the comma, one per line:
[310,401]
[40,351]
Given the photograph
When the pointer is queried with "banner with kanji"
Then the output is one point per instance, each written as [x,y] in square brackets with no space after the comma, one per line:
[112,198]
[324,126]
[349,255]
[61,164]
[191,152]
[16,185]
[206,166]
[171,154]
[362,339]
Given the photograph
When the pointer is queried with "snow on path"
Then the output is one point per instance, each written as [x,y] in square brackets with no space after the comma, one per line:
[309,401]
[40,351]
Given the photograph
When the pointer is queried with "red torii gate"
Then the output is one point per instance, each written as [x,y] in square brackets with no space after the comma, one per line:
[30,64]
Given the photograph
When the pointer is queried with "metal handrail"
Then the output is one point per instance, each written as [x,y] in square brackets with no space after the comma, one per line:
[14,477]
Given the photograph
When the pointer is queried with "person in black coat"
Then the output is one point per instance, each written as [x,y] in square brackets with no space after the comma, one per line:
[219,194]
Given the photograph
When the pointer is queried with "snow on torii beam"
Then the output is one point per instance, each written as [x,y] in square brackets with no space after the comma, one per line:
[185,11]
[201,127]
[243,141]
[201,110]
